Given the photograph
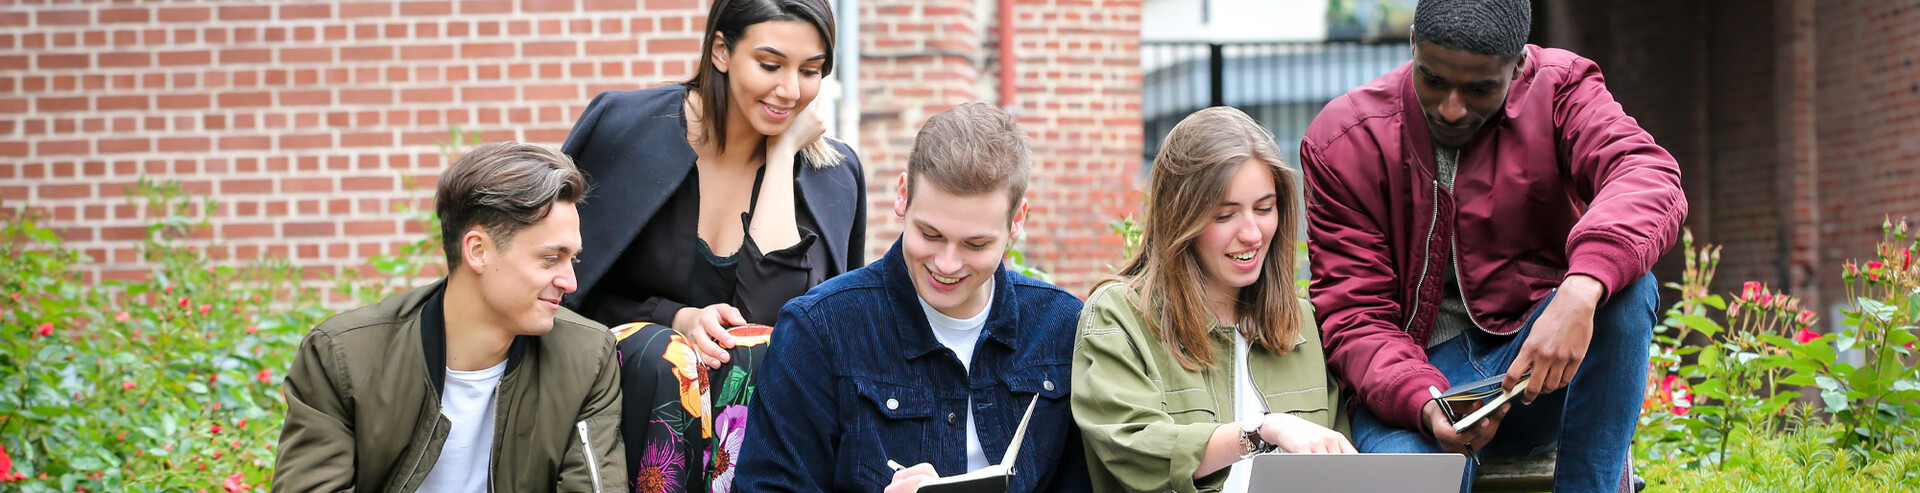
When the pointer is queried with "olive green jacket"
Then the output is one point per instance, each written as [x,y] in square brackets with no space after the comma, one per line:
[1146,420]
[363,405]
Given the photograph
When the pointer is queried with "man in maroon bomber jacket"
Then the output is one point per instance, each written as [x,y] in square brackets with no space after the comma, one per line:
[1488,209]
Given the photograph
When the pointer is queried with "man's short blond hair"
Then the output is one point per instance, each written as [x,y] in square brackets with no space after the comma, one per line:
[971,150]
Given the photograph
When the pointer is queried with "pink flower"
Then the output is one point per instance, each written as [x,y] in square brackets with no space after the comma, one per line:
[266,375]
[1679,392]
[1805,336]
[184,302]
[213,429]
[6,467]
[253,329]
[731,427]
[1875,265]
[128,385]
[241,424]
[122,317]
[1765,299]
[234,485]
[46,329]
[1750,290]
[205,308]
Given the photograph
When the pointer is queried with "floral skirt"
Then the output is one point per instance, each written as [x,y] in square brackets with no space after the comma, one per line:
[682,423]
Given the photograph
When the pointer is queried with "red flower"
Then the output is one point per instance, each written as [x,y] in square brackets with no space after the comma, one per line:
[214,378]
[253,329]
[122,317]
[205,308]
[241,424]
[1679,392]
[1875,265]
[234,485]
[46,329]
[128,385]
[6,467]
[1749,290]
[213,429]
[266,375]
[1805,336]
[184,302]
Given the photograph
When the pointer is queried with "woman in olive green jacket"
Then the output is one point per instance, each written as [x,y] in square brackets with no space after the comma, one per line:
[1201,354]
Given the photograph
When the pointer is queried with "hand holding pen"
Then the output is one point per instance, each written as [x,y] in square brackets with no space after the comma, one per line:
[908,479]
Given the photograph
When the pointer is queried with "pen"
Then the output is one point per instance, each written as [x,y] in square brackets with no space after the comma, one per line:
[895,465]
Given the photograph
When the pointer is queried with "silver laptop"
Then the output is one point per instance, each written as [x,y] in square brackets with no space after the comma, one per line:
[1327,473]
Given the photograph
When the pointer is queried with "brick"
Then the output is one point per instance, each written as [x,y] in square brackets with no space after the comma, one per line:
[413,8]
[307,229]
[245,143]
[48,61]
[251,55]
[426,52]
[306,55]
[245,99]
[548,48]
[63,17]
[366,9]
[185,144]
[366,53]
[320,97]
[112,103]
[57,105]
[182,58]
[366,96]
[74,191]
[610,5]
[301,185]
[366,184]
[306,11]
[306,141]
[245,12]
[433,95]
[486,50]
[111,146]
[365,139]
[476,94]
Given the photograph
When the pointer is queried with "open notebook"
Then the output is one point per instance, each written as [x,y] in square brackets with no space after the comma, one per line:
[990,479]
[1488,390]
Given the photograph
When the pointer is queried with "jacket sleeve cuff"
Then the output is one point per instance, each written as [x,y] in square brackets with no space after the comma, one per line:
[1194,438]
[1605,259]
[1411,396]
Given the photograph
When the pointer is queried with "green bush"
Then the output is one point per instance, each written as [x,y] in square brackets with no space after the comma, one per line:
[1803,460]
[166,384]
[171,383]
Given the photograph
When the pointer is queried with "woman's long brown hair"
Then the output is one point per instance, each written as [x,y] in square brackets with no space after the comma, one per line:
[1190,176]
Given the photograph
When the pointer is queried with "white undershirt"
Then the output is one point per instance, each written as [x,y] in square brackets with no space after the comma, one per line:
[961,335]
[1246,406]
[468,404]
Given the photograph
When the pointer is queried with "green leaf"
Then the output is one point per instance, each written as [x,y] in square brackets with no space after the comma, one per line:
[1826,382]
[1702,324]
[1715,301]
[86,463]
[1836,402]
[197,387]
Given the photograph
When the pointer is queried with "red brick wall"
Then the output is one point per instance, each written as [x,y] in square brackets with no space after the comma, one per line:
[1867,107]
[1077,78]
[1794,121]
[301,117]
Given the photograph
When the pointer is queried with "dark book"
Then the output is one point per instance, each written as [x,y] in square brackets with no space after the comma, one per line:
[1487,389]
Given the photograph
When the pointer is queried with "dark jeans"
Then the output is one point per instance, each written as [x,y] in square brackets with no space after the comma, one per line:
[1591,421]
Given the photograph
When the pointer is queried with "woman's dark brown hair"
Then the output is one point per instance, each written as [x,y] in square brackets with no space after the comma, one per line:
[729,19]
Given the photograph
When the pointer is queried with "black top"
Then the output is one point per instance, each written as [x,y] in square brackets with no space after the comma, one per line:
[755,282]
[633,147]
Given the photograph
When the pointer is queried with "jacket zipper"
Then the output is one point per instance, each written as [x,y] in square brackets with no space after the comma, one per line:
[431,431]
[494,453]
[1425,265]
[586,445]
[1459,280]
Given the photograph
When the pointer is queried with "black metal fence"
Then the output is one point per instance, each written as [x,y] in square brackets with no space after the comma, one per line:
[1281,84]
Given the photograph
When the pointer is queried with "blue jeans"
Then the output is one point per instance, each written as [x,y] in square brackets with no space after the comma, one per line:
[1591,422]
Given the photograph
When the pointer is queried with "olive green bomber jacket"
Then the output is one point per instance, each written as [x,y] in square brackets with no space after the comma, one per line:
[363,406]
[1146,420]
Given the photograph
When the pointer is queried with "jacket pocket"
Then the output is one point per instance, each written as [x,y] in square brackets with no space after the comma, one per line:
[896,417]
[1188,406]
[596,442]
[1308,403]
[1049,381]
[1537,270]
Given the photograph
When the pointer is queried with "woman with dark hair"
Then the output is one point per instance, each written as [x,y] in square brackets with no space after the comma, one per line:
[718,201]
[1200,354]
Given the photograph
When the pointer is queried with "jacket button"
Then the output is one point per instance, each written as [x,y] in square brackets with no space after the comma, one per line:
[953,418]
[1047,385]
[893,404]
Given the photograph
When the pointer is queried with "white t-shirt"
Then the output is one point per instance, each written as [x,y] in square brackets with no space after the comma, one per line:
[468,403]
[1246,405]
[961,335]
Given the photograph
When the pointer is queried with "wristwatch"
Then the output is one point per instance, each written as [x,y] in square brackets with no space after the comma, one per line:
[1250,441]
